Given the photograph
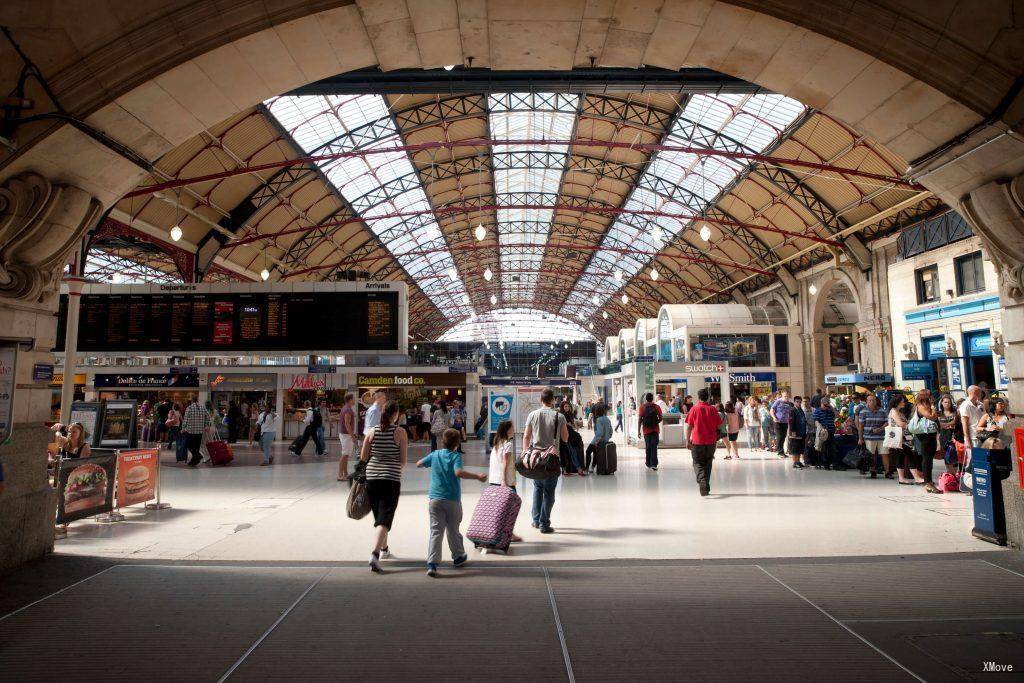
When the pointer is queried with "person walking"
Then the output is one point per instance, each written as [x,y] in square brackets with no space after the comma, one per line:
[704,421]
[438,422]
[871,422]
[299,444]
[545,428]
[781,411]
[650,430]
[752,423]
[269,422]
[317,423]
[732,431]
[618,416]
[174,433]
[502,463]
[797,432]
[346,434]
[445,500]
[924,425]
[385,452]
[193,426]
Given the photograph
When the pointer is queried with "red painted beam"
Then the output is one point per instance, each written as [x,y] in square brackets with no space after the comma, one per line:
[577,142]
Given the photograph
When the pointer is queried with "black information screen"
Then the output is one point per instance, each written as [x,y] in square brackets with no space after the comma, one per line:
[236,322]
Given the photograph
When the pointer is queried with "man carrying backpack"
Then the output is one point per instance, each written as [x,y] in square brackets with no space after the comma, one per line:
[650,429]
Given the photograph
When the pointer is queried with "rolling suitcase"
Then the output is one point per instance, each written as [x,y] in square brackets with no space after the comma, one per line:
[220,452]
[606,459]
[494,518]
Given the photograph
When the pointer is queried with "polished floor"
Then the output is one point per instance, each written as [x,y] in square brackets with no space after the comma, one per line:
[759,508]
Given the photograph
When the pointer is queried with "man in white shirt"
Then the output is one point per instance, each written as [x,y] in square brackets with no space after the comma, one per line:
[661,404]
[971,411]
[373,413]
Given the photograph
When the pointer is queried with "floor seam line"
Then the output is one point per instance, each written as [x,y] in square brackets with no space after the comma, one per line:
[55,593]
[277,622]
[840,623]
[912,620]
[1005,569]
[558,627]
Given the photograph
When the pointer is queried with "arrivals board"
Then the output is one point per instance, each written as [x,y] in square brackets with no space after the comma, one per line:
[252,321]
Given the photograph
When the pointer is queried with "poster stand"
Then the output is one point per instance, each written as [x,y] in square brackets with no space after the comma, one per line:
[114,515]
[158,505]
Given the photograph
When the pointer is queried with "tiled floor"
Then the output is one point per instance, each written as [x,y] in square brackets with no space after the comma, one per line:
[760,507]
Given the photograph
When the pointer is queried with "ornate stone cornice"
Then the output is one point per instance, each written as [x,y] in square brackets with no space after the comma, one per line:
[40,222]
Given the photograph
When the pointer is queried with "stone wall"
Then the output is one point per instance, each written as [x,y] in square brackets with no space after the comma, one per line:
[28,502]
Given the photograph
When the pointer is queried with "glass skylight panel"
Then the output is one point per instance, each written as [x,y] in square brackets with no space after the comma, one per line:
[102,265]
[529,117]
[373,185]
[517,325]
[752,123]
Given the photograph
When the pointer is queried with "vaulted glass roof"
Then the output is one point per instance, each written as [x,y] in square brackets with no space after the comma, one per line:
[680,183]
[517,324]
[399,213]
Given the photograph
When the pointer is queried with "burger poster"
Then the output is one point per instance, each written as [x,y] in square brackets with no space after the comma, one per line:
[85,487]
[136,476]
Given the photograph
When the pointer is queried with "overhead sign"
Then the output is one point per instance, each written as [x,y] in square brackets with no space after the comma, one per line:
[42,372]
[529,382]
[141,381]
[322,369]
[644,359]
[917,369]
[449,379]
[859,378]
[701,368]
[308,382]
[745,377]
[237,382]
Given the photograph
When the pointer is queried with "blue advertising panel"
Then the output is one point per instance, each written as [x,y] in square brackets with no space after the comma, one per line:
[500,404]
[956,380]
[934,347]
[917,369]
[979,343]
[1003,376]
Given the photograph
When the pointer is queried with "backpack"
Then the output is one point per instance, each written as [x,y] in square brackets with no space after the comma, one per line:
[438,422]
[318,420]
[650,417]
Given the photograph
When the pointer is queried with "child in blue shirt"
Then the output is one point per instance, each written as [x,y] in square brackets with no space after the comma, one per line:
[445,497]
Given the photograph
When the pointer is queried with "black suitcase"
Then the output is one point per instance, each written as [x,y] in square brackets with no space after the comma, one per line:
[605,459]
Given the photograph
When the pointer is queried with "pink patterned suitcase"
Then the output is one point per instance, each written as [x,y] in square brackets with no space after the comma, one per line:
[494,518]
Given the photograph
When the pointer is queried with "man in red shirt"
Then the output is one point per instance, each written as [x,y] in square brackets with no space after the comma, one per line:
[650,429]
[704,422]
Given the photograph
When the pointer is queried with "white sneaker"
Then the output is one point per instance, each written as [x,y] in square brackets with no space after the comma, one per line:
[374,564]
[385,554]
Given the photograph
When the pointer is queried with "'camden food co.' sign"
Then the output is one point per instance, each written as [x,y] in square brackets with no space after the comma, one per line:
[447,379]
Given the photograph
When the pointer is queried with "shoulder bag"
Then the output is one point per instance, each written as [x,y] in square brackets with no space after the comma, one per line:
[536,462]
[893,437]
[358,505]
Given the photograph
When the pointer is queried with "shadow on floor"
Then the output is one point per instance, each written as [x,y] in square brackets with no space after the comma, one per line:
[758,495]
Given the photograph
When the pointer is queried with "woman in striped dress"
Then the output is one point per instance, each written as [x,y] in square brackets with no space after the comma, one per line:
[385,451]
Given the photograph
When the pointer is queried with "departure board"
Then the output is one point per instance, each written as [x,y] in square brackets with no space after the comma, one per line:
[287,321]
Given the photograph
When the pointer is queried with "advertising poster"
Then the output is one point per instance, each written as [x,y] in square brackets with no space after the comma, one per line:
[88,414]
[725,348]
[1004,377]
[137,475]
[118,424]
[501,406]
[955,377]
[527,401]
[8,357]
[85,487]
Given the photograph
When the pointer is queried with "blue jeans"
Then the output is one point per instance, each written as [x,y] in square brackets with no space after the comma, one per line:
[180,446]
[318,438]
[266,440]
[543,501]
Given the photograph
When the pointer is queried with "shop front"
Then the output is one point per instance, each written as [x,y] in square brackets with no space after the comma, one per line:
[178,387]
[312,387]
[243,389]
[412,389]
[744,384]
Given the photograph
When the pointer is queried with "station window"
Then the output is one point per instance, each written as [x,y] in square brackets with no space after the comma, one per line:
[927,280]
[782,350]
[739,350]
[970,274]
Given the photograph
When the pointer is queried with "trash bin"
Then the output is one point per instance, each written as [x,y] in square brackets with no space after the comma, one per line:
[989,468]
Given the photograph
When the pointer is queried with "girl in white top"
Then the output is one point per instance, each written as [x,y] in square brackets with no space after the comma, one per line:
[502,471]
[995,420]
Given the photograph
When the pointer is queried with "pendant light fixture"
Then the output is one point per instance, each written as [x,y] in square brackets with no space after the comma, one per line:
[654,274]
[480,232]
[488,274]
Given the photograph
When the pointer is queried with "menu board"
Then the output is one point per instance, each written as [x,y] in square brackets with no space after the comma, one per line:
[289,321]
